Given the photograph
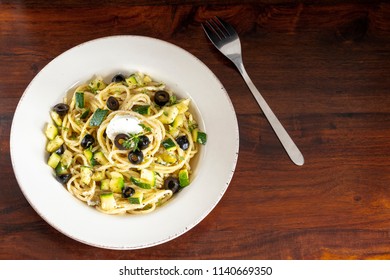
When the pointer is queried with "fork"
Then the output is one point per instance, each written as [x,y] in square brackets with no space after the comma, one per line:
[225,38]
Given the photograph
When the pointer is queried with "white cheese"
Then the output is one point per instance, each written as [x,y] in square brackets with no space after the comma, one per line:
[123,124]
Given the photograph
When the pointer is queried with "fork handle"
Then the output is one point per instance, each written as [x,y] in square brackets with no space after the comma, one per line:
[288,144]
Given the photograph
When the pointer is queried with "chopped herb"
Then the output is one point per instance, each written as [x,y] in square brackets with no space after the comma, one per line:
[132,142]
[146,128]
[172,100]
[192,125]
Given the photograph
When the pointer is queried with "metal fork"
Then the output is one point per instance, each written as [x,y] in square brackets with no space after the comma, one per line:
[226,40]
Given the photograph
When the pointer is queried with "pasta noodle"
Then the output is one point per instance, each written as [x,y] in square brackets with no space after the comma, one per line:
[123,147]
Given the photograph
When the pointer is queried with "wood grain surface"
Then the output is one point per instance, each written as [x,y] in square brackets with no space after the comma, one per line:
[323,67]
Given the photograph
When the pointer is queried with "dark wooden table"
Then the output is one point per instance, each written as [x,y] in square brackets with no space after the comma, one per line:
[323,68]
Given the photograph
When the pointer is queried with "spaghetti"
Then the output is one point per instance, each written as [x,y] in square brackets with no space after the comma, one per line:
[123,147]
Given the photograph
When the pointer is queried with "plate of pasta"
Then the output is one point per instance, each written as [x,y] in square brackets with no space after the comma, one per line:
[132,142]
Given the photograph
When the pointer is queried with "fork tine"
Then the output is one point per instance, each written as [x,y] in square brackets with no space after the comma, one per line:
[229,29]
[211,32]
[219,28]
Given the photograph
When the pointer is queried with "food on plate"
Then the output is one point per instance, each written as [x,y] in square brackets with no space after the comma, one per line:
[124,146]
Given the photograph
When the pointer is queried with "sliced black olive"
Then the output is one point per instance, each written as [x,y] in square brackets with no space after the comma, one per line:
[127,192]
[87,141]
[119,139]
[60,150]
[61,109]
[136,157]
[143,142]
[112,103]
[183,142]
[63,178]
[118,78]
[172,183]
[161,97]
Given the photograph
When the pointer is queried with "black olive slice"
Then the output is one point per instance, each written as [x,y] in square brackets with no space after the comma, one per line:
[87,141]
[118,78]
[183,142]
[172,183]
[119,139]
[60,150]
[136,157]
[61,109]
[143,142]
[127,192]
[161,97]
[63,178]
[112,103]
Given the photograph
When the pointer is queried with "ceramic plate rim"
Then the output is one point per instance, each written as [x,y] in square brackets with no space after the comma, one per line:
[209,123]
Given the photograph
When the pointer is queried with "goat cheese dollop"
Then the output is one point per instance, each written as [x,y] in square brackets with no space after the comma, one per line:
[123,124]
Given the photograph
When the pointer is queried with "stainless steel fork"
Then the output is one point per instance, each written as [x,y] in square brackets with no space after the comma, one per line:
[226,40]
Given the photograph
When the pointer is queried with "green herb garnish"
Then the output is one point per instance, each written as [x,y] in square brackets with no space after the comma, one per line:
[172,100]
[192,125]
[131,143]
[146,128]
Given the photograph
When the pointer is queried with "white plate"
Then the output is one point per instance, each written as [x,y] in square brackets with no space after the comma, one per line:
[183,73]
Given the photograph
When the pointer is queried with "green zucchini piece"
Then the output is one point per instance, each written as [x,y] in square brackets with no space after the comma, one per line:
[54,160]
[202,138]
[115,174]
[169,157]
[66,158]
[60,169]
[184,178]
[107,201]
[199,136]
[174,132]
[147,79]
[142,109]
[131,80]
[86,174]
[51,131]
[179,121]
[56,118]
[89,155]
[80,100]
[117,184]
[142,183]
[98,117]
[169,114]
[54,144]
[105,185]
[134,80]
[136,198]
[183,105]
[84,113]
[149,176]
[168,144]
[97,84]
[98,176]
[100,158]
